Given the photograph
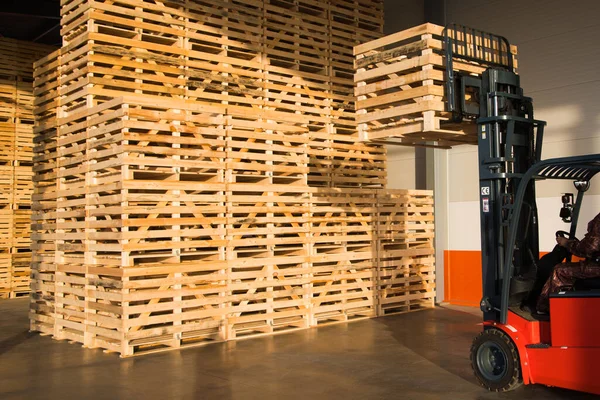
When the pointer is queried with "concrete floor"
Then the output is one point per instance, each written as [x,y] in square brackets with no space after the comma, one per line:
[423,355]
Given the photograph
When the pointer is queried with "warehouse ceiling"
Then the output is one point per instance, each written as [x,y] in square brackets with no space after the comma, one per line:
[32,20]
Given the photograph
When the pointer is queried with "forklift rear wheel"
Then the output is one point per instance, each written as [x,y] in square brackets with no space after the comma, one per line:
[495,361]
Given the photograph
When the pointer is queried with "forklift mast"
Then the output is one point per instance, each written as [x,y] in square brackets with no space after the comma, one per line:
[509,143]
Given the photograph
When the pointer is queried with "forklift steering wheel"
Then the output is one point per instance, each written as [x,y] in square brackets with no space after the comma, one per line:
[564,234]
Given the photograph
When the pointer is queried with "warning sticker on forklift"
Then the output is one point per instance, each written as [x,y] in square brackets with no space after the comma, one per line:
[486,204]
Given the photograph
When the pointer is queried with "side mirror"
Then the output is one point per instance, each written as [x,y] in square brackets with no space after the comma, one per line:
[566,212]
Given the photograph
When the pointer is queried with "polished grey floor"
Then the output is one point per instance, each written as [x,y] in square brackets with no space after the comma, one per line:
[423,355]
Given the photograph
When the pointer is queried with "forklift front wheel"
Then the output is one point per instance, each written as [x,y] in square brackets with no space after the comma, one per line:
[495,361]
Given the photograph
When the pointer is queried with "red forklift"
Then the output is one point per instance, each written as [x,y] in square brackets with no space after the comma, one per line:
[516,346]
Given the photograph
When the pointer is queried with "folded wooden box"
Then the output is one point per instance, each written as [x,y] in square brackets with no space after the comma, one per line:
[399,85]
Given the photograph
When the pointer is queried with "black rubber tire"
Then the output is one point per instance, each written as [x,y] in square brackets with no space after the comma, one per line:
[504,373]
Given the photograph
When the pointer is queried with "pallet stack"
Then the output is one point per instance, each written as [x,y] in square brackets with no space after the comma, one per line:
[284,59]
[344,251]
[16,138]
[45,195]
[197,176]
[400,86]
[405,251]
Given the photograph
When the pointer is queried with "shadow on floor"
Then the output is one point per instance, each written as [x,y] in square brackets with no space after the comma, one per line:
[15,340]
[444,339]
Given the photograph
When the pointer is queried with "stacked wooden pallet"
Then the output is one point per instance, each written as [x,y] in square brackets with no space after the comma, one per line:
[149,264]
[197,173]
[344,251]
[44,207]
[16,151]
[400,87]
[287,59]
[405,253]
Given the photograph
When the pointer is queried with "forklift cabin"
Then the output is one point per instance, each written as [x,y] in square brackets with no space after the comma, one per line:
[516,346]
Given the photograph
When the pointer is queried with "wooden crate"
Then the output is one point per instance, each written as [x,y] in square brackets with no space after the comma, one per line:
[268,294]
[400,89]
[405,251]
[6,227]
[144,307]
[339,161]
[343,254]
[343,285]
[21,228]
[45,90]
[121,18]
[264,220]
[8,96]
[342,220]
[406,280]
[7,142]
[44,196]
[6,185]
[266,153]
[360,165]
[24,142]
[22,185]
[20,260]
[405,217]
